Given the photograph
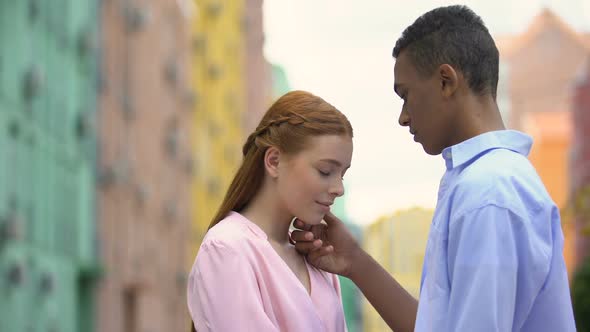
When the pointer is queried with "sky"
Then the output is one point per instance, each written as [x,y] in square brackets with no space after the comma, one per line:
[341,51]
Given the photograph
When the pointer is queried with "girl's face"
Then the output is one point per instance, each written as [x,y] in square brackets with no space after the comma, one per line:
[309,181]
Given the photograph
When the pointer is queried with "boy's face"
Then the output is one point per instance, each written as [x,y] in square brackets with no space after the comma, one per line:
[426,112]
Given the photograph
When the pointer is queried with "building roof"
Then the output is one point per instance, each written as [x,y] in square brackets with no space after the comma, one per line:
[509,44]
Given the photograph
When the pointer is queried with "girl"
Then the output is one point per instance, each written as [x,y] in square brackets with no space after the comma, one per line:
[247,276]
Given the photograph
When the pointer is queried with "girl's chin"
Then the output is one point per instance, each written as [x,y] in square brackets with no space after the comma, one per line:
[313,220]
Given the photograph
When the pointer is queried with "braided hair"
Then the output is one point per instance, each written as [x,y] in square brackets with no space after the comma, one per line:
[286,125]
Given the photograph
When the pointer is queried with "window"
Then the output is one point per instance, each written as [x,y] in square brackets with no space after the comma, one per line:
[130,310]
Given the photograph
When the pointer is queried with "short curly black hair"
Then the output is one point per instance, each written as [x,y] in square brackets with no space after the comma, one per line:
[454,35]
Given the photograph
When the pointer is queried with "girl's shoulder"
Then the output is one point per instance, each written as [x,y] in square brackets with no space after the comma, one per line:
[234,232]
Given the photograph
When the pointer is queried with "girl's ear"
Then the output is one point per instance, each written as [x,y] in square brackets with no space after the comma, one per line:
[272,158]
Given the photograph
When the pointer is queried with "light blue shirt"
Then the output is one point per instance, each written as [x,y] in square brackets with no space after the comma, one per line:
[494,258]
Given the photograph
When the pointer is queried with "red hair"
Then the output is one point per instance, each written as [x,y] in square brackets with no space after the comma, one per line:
[286,125]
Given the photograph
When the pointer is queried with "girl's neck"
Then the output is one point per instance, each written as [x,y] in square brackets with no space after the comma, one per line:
[267,212]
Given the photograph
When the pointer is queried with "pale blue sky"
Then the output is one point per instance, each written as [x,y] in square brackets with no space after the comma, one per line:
[341,51]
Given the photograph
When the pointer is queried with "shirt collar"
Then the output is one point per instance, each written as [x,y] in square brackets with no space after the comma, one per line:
[465,151]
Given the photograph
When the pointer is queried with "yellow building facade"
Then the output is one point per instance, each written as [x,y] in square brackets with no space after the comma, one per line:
[398,243]
[217,74]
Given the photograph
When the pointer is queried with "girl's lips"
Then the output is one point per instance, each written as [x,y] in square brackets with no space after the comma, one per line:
[325,206]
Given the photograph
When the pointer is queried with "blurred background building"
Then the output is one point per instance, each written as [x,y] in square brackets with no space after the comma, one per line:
[397,242]
[218,74]
[579,208]
[351,295]
[542,64]
[48,101]
[145,156]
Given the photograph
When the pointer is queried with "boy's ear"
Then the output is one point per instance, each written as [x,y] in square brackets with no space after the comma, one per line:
[449,79]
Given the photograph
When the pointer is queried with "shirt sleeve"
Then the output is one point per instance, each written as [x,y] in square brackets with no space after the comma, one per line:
[223,293]
[486,249]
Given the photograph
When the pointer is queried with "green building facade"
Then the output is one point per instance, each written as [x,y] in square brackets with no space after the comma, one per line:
[48,83]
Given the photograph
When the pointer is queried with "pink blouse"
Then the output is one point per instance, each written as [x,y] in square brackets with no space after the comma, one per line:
[239,283]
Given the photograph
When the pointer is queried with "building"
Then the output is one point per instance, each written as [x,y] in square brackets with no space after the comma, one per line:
[145,165]
[541,67]
[48,262]
[258,79]
[351,296]
[580,165]
[218,72]
[533,85]
[398,243]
